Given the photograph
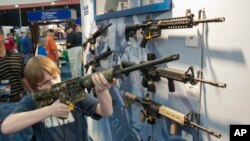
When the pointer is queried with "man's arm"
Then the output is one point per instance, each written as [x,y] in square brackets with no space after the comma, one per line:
[69,40]
[54,49]
[68,44]
[55,52]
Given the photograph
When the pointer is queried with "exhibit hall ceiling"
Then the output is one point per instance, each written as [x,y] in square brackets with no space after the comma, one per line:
[14,4]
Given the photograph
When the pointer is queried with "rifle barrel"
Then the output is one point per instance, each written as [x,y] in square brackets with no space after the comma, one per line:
[209,131]
[221,19]
[150,63]
[136,27]
[216,84]
[181,76]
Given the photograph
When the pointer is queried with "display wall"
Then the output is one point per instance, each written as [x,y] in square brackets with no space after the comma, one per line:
[220,50]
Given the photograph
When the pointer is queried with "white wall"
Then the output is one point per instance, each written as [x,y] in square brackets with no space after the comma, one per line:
[226,59]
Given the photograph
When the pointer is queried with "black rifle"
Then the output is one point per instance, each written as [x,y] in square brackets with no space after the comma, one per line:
[72,91]
[93,36]
[152,28]
[153,110]
[154,74]
[95,61]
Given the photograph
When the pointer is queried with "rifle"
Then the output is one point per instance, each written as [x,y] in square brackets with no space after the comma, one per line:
[73,90]
[93,36]
[152,28]
[154,74]
[153,110]
[95,61]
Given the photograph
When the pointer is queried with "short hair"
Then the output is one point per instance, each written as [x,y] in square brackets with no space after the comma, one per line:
[28,33]
[42,41]
[35,68]
[67,27]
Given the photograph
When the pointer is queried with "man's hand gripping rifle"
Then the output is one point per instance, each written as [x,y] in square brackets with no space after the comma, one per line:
[153,110]
[73,90]
[93,36]
[152,28]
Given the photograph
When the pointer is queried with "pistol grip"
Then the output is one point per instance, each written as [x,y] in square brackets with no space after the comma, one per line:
[143,42]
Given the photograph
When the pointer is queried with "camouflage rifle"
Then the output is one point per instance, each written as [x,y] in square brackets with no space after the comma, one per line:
[152,28]
[93,36]
[95,61]
[73,90]
[153,110]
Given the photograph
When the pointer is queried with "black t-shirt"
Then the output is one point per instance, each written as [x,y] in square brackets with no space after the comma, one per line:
[75,39]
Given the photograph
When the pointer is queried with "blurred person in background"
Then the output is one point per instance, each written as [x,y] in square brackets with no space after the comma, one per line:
[17,39]
[9,43]
[27,47]
[51,47]
[79,30]
[74,50]
[41,50]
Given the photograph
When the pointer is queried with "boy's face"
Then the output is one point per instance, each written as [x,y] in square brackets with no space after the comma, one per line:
[48,81]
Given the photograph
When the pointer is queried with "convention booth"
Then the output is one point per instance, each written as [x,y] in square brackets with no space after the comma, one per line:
[56,19]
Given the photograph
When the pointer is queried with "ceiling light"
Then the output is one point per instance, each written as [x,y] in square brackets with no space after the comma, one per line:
[16,6]
[52,3]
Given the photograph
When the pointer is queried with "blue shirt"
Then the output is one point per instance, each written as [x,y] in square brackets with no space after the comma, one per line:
[26,43]
[54,129]
[42,51]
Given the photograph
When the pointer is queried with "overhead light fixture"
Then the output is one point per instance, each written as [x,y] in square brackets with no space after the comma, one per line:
[16,6]
[52,3]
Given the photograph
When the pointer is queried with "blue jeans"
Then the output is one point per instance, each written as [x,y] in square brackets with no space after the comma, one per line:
[24,135]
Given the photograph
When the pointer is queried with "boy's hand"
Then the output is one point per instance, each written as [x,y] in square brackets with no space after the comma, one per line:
[59,109]
[101,84]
